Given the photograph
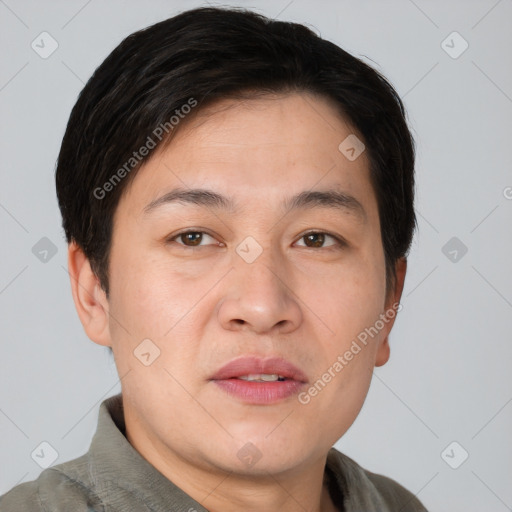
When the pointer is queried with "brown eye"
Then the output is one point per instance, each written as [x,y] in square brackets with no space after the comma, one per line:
[190,238]
[317,240]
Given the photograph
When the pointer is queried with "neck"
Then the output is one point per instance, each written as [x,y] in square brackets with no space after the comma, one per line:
[304,491]
[297,490]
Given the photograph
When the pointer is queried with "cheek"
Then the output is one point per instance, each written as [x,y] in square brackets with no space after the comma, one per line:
[151,312]
[150,296]
[350,304]
[152,299]
[351,300]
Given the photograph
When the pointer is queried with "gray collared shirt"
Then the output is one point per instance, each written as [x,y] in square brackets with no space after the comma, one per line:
[113,477]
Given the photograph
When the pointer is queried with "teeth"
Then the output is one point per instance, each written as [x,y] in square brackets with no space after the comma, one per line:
[263,377]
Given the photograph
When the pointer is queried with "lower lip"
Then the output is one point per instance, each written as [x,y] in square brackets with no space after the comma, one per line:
[252,392]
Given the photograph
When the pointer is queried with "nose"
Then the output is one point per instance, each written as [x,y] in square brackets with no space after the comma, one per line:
[259,299]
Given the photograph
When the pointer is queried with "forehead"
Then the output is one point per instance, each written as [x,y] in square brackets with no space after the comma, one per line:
[259,148]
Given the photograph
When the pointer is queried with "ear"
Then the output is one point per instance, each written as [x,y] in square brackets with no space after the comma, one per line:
[390,312]
[90,299]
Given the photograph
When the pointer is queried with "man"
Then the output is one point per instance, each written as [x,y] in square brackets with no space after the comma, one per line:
[237,195]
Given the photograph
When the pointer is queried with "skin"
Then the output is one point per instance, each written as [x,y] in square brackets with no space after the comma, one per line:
[204,306]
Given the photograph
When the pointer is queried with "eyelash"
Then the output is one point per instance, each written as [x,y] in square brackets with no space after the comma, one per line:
[340,243]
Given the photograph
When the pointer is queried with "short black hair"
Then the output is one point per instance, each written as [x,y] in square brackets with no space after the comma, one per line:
[180,65]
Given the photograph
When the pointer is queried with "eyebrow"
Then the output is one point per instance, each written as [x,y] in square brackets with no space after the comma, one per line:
[329,199]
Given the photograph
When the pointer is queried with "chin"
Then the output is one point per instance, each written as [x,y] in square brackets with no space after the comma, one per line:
[262,453]
[265,463]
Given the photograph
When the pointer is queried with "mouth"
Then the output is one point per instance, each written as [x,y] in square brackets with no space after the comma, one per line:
[264,377]
[253,380]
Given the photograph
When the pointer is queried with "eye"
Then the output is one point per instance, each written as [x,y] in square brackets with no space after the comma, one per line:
[190,238]
[313,239]
[318,238]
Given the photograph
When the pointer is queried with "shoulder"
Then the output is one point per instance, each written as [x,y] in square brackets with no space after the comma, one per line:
[22,498]
[394,494]
[52,491]
[363,487]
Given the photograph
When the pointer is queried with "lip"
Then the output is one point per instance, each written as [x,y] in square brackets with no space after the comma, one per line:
[263,393]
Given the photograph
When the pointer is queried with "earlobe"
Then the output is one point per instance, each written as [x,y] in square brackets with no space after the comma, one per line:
[393,299]
[90,299]
[383,352]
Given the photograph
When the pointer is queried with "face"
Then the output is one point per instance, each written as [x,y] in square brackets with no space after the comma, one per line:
[251,305]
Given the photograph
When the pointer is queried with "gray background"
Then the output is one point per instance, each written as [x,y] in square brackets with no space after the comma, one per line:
[448,378]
